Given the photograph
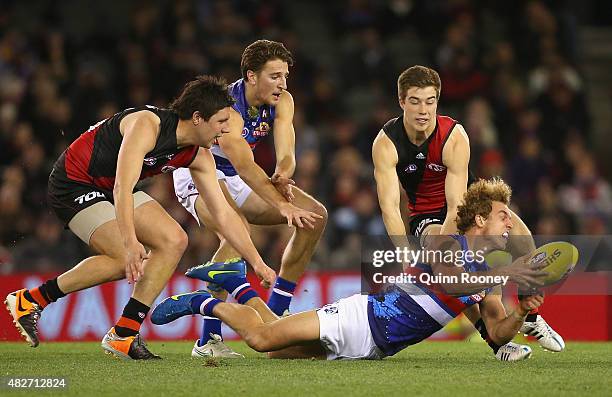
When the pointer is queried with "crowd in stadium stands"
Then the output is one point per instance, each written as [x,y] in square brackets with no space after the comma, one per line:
[508,74]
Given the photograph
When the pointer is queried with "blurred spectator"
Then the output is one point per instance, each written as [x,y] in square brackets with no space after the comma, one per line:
[588,197]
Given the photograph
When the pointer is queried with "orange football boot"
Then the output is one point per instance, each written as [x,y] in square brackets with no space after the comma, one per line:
[129,347]
[25,315]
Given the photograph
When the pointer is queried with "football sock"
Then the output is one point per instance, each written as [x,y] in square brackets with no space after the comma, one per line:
[131,319]
[45,293]
[482,329]
[210,325]
[239,288]
[281,295]
[204,305]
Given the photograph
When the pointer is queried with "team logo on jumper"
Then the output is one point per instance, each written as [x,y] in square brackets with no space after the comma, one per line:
[435,167]
[167,168]
[478,297]
[150,161]
[253,111]
[411,168]
[262,130]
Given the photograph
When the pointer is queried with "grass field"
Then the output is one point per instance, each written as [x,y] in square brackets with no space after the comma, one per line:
[431,368]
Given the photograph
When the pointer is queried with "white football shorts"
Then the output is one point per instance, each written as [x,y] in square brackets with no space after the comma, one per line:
[345,332]
[186,192]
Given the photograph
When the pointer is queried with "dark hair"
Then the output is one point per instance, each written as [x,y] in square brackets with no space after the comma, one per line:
[205,94]
[259,52]
[478,200]
[418,76]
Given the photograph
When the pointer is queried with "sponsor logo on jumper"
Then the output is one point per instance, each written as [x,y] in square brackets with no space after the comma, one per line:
[88,197]
[150,161]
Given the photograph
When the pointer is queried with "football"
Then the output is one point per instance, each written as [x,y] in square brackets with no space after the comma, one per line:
[560,258]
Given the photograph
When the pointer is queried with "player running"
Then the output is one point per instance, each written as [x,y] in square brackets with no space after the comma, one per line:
[92,189]
[263,106]
[429,154]
[380,325]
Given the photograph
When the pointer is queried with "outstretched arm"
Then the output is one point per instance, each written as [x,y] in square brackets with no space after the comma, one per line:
[140,131]
[284,146]
[284,136]
[240,155]
[203,173]
[503,327]
[385,159]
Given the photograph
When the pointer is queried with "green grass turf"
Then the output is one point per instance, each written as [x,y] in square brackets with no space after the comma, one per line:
[430,368]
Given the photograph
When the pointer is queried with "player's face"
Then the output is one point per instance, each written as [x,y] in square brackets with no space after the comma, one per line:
[271,81]
[217,125]
[498,225]
[420,106]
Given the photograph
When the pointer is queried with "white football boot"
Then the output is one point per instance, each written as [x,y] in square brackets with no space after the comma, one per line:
[214,348]
[513,352]
[546,336]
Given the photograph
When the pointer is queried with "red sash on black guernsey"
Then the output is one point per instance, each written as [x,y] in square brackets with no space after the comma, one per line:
[419,168]
[92,158]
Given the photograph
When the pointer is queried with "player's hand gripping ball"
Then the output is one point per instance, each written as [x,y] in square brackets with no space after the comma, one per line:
[560,258]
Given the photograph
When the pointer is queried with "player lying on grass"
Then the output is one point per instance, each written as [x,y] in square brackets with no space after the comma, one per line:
[427,154]
[378,325]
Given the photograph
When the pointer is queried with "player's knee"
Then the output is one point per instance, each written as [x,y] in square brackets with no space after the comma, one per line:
[254,341]
[175,241]
[320,210]
[258,341]
[117,263]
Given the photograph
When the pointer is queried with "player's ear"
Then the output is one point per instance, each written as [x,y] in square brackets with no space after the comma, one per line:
[196,118]
[251,77]
[480,220]
[402,101]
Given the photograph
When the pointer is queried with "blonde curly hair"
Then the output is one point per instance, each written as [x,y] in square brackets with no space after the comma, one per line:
[478,200]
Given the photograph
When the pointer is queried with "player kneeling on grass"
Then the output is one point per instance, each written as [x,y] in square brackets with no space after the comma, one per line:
[379,325]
